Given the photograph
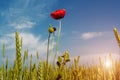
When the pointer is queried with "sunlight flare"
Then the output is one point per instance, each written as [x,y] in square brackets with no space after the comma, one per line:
[108,63]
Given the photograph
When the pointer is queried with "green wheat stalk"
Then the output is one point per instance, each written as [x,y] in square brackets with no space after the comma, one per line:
[30,66]
[3,50]
[1,73]
[40,71]
[6,67]
[18,54]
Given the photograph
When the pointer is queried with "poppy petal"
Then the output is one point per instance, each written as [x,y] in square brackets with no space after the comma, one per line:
[58,14]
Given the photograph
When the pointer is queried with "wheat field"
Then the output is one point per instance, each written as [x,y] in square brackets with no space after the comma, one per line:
[59,70]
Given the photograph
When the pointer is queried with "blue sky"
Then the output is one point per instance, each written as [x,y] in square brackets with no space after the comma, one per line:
[87,28]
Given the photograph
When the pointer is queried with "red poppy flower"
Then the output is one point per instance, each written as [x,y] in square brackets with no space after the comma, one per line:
[58,14]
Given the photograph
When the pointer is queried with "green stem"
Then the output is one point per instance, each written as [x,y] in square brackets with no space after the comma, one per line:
[51,52]
[48,47]
[57,44]
[47,54]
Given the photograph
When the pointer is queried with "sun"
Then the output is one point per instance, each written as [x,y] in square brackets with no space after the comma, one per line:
[108,63]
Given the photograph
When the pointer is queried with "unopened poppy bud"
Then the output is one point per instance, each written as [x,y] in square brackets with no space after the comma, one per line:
[51,29]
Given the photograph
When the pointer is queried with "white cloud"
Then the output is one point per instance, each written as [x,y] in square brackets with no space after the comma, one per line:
[4,40]
[22,23]
[30,42]
[26,13]
[23,15]
[90,35]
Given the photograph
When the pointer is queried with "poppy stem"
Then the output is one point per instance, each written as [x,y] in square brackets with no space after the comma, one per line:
[57,44]
[52,50]
[47,54]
